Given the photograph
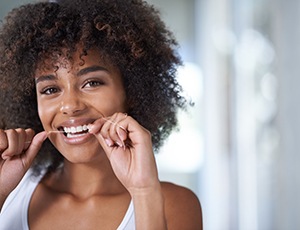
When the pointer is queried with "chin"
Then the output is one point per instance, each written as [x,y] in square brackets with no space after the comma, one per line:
[81,154]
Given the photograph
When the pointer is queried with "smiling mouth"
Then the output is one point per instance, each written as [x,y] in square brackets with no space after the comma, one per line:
[71,132]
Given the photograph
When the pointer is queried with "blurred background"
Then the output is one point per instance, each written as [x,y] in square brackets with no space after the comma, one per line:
[238,147]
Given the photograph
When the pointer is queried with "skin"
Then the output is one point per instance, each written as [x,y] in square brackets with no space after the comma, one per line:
[104,168]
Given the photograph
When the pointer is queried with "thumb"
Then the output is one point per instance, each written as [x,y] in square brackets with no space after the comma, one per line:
[34,148]
[106,144]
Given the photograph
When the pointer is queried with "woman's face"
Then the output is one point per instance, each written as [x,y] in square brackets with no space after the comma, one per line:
[74,96]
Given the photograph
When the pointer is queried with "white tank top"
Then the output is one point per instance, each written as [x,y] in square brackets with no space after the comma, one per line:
[14,213]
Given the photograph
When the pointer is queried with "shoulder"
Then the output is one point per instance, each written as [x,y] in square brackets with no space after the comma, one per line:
[182,207]
[14,210]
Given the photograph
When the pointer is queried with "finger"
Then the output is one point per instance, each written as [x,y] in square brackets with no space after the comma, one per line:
[17,141]
[108,129]
[106,144]
[96,126]
[33,149]
[113,131]
[120,126]
[29,135]
[132,132]
[3,140]
[108,124]
[12,145]
[95,129]
[122,133]
[21,137]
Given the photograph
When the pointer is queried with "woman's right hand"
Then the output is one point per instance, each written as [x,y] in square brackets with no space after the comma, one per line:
[18,148]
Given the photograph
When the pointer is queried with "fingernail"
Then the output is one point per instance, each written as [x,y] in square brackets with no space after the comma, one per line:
[109,142]
[90,128]
[4,157]
[119,144]
[122,133]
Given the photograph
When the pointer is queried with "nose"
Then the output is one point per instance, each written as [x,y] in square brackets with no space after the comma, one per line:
[71,103]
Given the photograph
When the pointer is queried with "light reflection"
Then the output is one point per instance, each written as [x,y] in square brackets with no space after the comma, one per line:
[183,151]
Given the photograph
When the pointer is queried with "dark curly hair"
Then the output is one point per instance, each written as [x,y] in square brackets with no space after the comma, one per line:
[128,32]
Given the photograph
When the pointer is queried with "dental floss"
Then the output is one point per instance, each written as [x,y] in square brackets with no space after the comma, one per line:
[114,123]
[48,132]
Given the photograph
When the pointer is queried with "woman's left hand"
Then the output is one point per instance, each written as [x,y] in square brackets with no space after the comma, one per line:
[128,146]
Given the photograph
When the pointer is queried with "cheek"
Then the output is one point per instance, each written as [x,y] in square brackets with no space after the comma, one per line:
[110,101]
[117,103]
[42,115]
[119,98]
[44,112]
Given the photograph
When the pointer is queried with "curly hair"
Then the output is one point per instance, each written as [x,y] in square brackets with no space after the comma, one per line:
[128,32]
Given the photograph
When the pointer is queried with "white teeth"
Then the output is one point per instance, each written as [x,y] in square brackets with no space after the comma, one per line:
[73,130]
[77,129]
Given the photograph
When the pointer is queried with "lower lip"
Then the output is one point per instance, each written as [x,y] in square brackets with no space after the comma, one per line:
[77,139]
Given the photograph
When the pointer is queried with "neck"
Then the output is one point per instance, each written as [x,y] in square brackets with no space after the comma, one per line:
[86,180]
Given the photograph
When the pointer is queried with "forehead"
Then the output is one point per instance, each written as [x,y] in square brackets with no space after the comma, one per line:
[72,61]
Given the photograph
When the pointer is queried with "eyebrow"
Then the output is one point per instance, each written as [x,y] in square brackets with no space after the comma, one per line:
[90,69]
[45,78]
[82,72]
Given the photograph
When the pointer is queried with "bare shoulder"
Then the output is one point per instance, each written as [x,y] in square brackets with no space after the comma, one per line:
[182,207]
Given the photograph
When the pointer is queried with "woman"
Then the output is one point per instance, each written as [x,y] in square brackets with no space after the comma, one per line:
[97,80]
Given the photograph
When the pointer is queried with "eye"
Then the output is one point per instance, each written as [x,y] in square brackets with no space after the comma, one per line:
[49,90]
[93,83]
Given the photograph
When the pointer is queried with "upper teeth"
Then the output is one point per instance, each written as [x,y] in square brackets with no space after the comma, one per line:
[76,129]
